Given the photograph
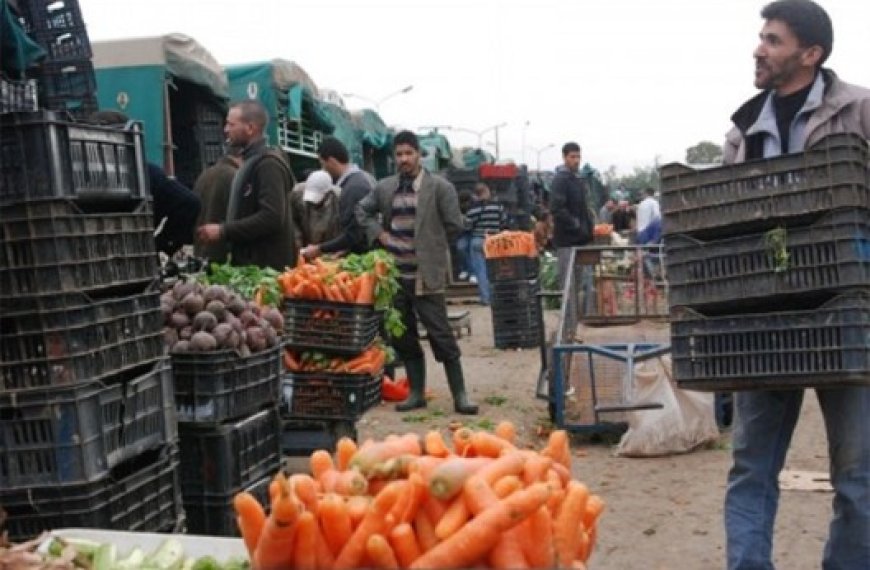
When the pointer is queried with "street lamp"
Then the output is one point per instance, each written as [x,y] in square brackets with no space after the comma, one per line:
[525,128]
[538,151]
[479,133]
[378,102]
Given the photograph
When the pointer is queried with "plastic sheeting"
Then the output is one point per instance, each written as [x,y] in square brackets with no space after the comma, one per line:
[19,51]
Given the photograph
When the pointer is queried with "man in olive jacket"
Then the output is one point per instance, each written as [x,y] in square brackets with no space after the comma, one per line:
[259,226]
[419,218]
[213,188]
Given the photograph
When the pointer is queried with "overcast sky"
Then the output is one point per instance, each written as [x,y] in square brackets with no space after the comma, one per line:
[629,80]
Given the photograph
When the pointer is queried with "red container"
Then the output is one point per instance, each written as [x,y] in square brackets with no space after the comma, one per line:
[498,171]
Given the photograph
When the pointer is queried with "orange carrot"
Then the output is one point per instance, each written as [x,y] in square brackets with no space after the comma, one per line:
[583,544]
[454,518]
[565,537]
[320,462]
[251,519]
[559,448]
[537,539]
[323,554]
[435,509]
[368,459]
[594,508]
[507,485]
[344,451]
[275,488]
[506,431]
[305,550]
[592,534]
[447,479]
[374,522]
[425,531]
[508,464]
[366,295]
[290,361]
[357,506]
[380,553]
[562,471]
[275,547]
[507,554]
[486,444]
[404,543]
[462,442]
[479,536]
[536,468]
[409,502]
[304,488]
[425,465]
[335,521]
[434,444]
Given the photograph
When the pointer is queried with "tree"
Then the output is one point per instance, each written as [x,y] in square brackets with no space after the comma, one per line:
[705,152]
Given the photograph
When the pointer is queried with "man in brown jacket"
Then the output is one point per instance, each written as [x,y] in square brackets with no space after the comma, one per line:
[213,188]
[259,226]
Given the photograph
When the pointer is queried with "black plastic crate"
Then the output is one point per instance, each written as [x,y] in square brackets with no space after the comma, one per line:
[512,268]
[44,156]
[829,256]
[213,387]
[528,338]
[52,14]
[68,339]
[301,438]
[339,328]
[506,317]
[822,348]
[216,516]
[513,293]
[64,44]
[759,195]
[18,96]
[325,395]
[217,460]
[76,434]
[73,79]
[53,246]
[141,495]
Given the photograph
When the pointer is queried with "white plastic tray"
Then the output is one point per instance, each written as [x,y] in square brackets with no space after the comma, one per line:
[194,545]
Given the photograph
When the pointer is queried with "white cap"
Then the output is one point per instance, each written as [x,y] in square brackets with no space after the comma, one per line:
[318,183]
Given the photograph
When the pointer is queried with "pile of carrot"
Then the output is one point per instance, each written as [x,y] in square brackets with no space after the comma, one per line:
[326,281]
[510,244]
[602,229]
[370,361]
[407,502]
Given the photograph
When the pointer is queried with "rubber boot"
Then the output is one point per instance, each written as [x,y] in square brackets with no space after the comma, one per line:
[456,381]
[416,370]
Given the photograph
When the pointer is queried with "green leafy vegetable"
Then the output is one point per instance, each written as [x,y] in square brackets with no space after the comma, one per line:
[248,280]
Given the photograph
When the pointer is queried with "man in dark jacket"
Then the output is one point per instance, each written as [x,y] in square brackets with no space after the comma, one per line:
[572,223]
[259,227]
[213,189]
[355,186]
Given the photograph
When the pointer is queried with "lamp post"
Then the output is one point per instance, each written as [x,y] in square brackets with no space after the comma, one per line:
[479,134]
[525,128]
[378,102]
[538,151]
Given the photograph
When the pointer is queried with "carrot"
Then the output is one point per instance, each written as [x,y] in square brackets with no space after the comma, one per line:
[425,465]
[404,543]
[374,522]
[367,459]
[506,431]
[488,445]
[304,488]
[344,451]
[402,500]
[357,506]
[474,540]
[435,509]
[275,489]
[508,464]
[409,503]
[583,544]
[275,547]
[507,485]
[565,537]
[507,554]
[335,521]
[592,534]
[425,531]
[558,448]
[350,482]
[537,539]
[320,462]
[594,508]
[536,468]
[305,550]
[556,500]
[366,295]
[324,555]
[562,471]
[380,553]
[447,479]
[454,518]
[251,519]
[290,362]
[462,442]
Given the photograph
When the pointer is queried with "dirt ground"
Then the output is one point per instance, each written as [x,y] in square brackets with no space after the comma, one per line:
[662,513]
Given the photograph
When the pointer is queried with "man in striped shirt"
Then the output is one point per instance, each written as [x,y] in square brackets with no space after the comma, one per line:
[484,217]
[419,217]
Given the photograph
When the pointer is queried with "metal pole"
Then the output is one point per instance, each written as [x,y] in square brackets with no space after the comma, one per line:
[496,144]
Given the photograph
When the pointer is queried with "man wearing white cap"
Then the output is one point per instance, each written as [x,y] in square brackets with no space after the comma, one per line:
[315,209]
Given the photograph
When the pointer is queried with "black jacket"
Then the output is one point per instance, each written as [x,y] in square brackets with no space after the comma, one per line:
[175,202]
[352,239]
[571,219]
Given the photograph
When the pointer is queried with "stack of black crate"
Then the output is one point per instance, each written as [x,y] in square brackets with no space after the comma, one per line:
[66,78]
[229,431]
[769,269]
[87,416]
[514,301]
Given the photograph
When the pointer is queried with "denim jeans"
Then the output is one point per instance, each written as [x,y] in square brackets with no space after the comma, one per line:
[478,269]
[463,250]
[764,424]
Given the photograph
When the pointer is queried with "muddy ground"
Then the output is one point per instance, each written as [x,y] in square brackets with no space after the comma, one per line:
[662,513]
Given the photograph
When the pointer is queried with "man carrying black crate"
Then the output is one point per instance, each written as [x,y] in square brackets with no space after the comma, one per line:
[419,218]
[801,102]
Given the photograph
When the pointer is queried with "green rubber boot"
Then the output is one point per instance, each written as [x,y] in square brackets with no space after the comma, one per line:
[456,381]
[416,370]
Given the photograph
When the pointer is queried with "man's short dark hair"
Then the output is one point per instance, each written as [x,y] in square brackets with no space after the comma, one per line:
[570,147]
[408,138]
[253,112]
[331,147]
[807,20]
